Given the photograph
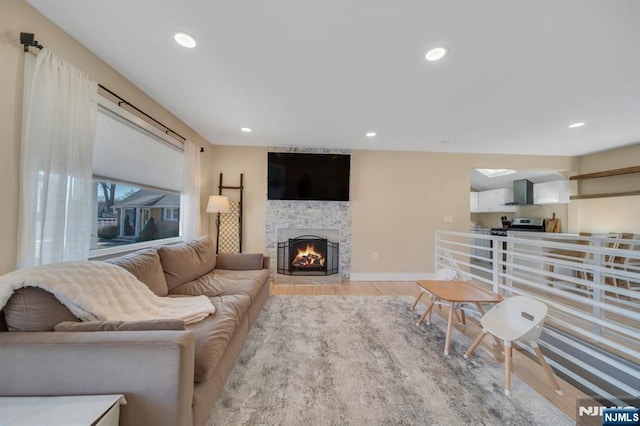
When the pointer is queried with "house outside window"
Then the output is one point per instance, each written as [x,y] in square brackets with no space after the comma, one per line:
[130,214]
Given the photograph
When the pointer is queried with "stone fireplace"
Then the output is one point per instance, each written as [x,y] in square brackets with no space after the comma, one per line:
[290,219]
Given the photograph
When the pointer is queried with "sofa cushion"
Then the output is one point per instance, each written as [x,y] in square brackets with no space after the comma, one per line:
[34,309]
[239,261]
[145,265]
[185,262]
[220,282]
[163,324]
[213,333]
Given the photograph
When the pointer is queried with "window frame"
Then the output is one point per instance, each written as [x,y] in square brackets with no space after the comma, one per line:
[126,248]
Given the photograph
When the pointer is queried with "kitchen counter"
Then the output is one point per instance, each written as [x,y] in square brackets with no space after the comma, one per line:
[480,230]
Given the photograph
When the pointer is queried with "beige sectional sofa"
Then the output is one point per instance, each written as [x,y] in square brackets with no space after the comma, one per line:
[170,374]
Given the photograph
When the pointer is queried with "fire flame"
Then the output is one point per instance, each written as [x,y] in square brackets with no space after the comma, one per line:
[308,258]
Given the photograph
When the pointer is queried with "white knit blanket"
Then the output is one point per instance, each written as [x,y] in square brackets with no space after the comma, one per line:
[97,291]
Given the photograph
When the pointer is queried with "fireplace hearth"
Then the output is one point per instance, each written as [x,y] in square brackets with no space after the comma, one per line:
[308,255]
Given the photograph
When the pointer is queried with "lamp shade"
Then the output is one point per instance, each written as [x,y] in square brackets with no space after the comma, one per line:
[218,204]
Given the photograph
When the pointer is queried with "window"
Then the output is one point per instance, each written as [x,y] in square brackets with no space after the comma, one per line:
[171,214]
[137,180]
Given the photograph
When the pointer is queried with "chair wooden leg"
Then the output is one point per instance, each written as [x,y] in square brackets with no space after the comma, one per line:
[508,355]
[417,300]
[464,319]
[479,306]
[475,344]
[548,370]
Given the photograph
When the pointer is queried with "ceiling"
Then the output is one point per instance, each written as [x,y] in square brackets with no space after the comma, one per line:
[322,73]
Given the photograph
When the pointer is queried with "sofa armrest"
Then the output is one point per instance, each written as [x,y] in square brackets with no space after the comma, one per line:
[240,261]
[266,262]
[153,369]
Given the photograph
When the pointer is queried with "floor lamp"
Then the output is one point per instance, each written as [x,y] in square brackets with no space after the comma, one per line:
[218,204]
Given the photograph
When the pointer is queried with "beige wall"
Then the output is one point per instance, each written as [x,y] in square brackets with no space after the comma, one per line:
[423,189]
[398,200]
[252,162]
[18,16]
[611,214]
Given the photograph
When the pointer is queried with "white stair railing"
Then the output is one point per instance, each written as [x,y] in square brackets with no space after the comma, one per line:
[592,288]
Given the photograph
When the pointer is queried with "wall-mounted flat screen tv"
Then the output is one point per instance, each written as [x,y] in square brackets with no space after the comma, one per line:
[293,176]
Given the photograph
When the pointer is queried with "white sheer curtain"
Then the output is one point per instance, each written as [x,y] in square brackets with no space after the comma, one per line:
[190,204]
[58,133]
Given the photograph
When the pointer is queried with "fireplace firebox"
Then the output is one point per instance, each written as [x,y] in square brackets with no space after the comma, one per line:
[308,255]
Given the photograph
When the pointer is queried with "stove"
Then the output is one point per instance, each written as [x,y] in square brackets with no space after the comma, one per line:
[527,224]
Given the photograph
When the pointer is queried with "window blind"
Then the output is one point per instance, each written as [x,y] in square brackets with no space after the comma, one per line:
[128,153]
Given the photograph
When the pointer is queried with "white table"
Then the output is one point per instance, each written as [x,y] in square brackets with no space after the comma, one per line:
[87,410]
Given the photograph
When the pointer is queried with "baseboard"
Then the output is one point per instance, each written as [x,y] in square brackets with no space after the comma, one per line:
[391,276]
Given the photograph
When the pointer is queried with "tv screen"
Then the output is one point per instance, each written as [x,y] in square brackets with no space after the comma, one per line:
[294,176]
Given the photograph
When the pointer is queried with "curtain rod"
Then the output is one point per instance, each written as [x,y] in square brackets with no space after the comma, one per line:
[121,100]
[28,40]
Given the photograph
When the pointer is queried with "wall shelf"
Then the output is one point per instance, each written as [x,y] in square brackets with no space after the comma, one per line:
[605,195]
[605,174]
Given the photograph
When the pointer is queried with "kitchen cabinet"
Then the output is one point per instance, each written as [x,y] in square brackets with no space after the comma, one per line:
[556,192]
[473,202]
[493,201]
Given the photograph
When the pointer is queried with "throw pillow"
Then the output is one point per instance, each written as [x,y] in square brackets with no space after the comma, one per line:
[186,262]
[145,266]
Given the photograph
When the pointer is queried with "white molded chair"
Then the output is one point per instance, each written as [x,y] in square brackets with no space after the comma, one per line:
[520,319]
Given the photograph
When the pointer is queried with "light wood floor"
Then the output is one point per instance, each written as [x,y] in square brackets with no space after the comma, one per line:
[525,368]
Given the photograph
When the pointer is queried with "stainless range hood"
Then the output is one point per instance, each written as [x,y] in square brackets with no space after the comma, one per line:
[522,193]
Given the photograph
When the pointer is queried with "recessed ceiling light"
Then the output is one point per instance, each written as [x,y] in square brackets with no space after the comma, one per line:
[371,134]
[246,130]
[574,125]
[436,54]
[185,40]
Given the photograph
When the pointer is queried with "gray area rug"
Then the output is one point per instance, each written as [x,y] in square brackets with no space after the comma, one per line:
[334,360]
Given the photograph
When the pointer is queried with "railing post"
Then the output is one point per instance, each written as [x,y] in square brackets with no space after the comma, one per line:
[598,293]
[509,262]
[497,264]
